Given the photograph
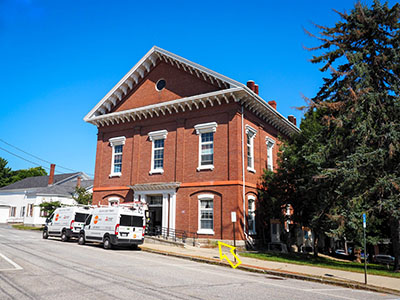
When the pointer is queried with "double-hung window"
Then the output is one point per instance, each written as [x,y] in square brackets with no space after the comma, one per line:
[251,212]
[250,135]
[206,145]
[117,145]
[157,153]
[206,214]
[270,158]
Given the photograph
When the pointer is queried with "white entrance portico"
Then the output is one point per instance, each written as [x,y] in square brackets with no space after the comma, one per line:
[152,193]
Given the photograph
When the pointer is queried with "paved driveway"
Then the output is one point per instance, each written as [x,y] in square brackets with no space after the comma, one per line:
[33,268]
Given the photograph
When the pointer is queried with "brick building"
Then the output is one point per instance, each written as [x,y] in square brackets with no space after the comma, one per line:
[189,142]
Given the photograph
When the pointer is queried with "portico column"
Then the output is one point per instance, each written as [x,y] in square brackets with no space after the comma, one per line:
[172,210]
[165,211]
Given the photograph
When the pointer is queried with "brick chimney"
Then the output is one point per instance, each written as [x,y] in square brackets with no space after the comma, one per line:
[51,176]
[256,89]
[272,103]
[292,119]
[250,85]
[78,182]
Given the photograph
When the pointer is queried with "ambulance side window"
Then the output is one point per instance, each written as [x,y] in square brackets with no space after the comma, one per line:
[88,220]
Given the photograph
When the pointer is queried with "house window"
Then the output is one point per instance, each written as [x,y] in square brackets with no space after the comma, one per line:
[251,211]
[206,145]
[44,213]
[22,212]
[250,135]
[157,154]
[13,211]
[206,214]
[117,145]
[29,212]
[270,159]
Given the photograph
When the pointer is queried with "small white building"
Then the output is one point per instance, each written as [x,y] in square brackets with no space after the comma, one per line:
[19,202]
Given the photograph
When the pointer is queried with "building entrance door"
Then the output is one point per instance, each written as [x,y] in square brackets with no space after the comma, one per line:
[154,214]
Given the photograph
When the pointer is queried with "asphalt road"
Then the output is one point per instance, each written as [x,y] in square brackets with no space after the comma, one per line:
[33,268]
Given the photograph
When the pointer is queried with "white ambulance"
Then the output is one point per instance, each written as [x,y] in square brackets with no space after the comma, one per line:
[115,225]
[66,222]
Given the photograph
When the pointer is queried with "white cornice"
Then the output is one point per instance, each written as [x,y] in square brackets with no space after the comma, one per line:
[144,65]
[249,100]
[155,186]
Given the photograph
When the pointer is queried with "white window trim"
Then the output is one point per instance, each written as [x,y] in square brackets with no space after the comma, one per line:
[200,198]
[270,146]
[116,141]
[205,128]
[253,132]
[153,136]
[252,231]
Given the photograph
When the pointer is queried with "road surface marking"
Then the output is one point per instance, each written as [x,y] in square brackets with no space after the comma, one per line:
[16,266]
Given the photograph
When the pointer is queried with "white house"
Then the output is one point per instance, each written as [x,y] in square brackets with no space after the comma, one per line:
[19,202]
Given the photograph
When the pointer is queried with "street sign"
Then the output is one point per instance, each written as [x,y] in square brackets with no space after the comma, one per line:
[364,221]
[233,217]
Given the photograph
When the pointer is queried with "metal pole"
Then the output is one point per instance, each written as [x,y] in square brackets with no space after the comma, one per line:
[365,249]
[234,239]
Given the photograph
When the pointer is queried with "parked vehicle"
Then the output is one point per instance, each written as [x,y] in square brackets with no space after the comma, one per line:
[115,225]
[383,259]
[66,222]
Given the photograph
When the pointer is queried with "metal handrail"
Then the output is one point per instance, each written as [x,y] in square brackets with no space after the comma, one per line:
[171,233]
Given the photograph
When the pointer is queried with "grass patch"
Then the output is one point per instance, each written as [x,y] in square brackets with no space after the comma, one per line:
[24,227]
[310,260]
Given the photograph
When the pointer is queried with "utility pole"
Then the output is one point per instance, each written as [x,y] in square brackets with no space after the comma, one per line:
[365,248]
[233,217]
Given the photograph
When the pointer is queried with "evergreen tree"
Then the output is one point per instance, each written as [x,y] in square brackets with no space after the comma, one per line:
[5,172]
[346,160]
[361,105]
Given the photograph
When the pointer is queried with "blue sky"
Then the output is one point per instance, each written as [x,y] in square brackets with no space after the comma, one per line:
[59,58]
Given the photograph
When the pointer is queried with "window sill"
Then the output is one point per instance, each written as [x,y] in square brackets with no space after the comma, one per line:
[114,175]
[205,231]
[251,170]
[208,167]
[156,171]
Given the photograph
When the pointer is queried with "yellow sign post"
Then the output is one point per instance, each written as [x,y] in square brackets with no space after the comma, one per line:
[223,256]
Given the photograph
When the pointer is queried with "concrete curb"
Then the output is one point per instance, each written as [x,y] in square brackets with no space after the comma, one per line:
[285,274]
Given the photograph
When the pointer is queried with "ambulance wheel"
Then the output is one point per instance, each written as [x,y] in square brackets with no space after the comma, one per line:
[107,243]
[45,234]
[81,240]
[64,237]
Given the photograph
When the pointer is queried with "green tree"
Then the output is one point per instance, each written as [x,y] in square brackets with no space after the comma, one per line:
[346,160]
[361,136]
[82,196]
[5,172]
[50,207]
[24,173]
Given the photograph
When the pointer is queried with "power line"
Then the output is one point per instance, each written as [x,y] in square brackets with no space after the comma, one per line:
[36,164]
[46,161]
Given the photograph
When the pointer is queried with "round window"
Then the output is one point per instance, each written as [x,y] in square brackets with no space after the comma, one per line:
[160,84]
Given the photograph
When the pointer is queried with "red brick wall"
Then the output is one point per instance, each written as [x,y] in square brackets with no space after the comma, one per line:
[181,152]
[179,84]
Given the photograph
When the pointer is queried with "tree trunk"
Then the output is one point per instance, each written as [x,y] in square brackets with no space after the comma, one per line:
[395,233]
[316,238]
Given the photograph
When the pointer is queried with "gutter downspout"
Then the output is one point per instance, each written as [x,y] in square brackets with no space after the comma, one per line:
[244,180]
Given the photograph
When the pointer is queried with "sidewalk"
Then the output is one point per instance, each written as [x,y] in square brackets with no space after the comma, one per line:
[329,276]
